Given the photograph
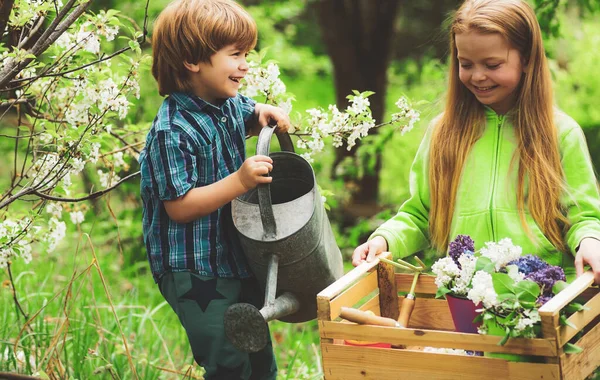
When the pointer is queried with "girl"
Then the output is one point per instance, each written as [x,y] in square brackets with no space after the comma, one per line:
[501,161]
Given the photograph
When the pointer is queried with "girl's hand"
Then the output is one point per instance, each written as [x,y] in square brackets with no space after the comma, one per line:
[267,114]
[588,253]
[253,171]
[369,250]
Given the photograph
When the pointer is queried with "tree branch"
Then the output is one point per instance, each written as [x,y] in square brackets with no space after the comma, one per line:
[87,197]
[47,39]
[5,9]
[14,292]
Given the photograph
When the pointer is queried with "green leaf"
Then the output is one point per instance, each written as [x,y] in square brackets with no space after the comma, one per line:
[527,304]
[366,94]
[442,291]
[503,284]
[484,264]
[504,338]
[559,286]
[565,322]
[43,375]
[574,307]
[527,291]
[570,348]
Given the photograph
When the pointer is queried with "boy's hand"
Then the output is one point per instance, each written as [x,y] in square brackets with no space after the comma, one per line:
[589,253]
[369,250]
[253,170]
[267,115]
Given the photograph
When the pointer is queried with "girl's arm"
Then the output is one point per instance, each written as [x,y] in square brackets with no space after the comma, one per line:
[582,200]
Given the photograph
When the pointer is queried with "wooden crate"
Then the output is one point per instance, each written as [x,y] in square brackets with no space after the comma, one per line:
[374,286]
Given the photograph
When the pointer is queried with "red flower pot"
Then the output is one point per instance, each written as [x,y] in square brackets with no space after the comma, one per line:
[463,312]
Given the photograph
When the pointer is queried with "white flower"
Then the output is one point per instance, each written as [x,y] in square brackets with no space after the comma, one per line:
[57,231]
[45,138]
[467,269]
[118,159]
[108,179]
[359,104]
[483,290]
[54,209]
[501,253]
[77,164]
[445,270]
[77,217]
[89,41]
[94,153]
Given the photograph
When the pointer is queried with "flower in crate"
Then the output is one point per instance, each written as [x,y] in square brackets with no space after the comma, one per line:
[454,273]
[506,287]
[463,244]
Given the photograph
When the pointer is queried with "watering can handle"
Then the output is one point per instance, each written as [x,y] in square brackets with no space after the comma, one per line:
[264,193]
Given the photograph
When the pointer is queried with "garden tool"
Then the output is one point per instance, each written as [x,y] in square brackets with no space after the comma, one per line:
[366,318]
[408,303]
[289,244]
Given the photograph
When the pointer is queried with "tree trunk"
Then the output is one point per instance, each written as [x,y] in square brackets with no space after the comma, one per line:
[358,35]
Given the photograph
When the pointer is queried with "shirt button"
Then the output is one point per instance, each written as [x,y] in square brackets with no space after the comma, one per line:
[223,119]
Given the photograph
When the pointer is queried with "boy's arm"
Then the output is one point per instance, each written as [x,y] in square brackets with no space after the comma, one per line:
[201,201]
[265,114]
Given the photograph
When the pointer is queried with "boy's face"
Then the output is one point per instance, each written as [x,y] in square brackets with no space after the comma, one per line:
[490,68]
[219,79]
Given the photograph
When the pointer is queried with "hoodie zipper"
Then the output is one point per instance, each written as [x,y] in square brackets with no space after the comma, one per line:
[499,122]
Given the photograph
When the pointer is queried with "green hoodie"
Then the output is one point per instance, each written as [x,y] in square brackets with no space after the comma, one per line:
[486,205]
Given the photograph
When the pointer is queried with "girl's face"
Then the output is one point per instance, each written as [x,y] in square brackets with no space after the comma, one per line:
[490,68]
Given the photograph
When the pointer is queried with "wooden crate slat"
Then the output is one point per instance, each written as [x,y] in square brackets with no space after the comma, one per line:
[430,313]
[353,294]
[559,301]
[581,365]
[580,319]
[440,339]
[425,284]
[348,279]
[372,305]
[349,363]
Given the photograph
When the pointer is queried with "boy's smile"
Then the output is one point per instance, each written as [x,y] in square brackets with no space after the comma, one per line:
[221,77]
[490,68]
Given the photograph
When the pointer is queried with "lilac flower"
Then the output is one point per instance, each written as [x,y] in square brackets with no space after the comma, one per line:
[461,244]
[529,263]
[546,278]
[542,300]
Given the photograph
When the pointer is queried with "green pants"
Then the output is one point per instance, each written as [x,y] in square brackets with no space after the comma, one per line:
[200,303]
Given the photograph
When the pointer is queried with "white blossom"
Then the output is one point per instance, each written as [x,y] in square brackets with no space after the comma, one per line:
[483,290]
[463,280]
[57,232]
[445,270]
[77,217]
[54,209]
[501,253]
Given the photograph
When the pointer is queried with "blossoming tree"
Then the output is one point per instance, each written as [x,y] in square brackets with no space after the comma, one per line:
[69,87]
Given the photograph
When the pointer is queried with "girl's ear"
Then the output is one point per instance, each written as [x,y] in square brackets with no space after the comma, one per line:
[193,67]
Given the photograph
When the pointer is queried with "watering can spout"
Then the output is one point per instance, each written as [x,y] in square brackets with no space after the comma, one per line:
[246,326]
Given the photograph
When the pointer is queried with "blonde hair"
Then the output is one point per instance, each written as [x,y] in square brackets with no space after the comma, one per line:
[192,31]
[532,117]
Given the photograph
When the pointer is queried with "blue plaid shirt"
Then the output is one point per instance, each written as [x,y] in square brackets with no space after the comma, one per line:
[193,143]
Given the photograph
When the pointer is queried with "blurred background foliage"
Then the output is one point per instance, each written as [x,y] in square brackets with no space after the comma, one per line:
[368,184]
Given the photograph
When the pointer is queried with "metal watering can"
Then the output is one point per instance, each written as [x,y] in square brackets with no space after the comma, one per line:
[288,242]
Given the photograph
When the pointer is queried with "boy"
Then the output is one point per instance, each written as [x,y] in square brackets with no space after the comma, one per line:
[192,168]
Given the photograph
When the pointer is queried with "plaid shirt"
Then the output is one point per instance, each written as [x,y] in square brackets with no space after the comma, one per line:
[193,143]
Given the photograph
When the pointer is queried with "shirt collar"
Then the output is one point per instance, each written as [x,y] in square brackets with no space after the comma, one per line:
[194,103]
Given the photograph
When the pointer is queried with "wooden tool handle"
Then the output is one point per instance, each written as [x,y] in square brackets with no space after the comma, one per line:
[364,318]
[408,304]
